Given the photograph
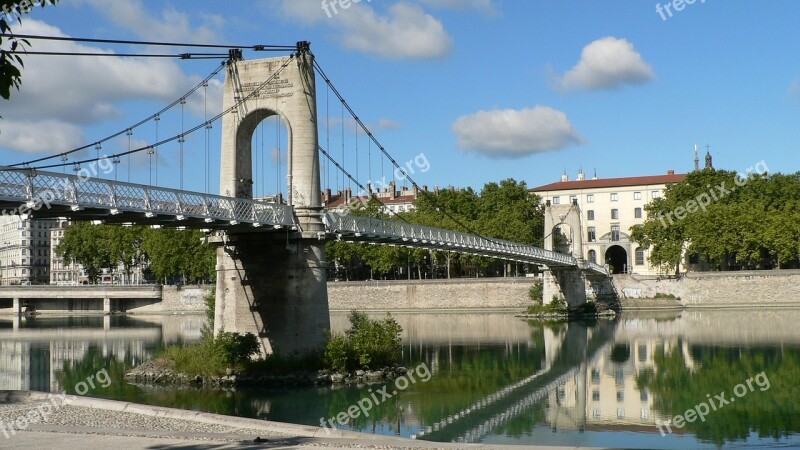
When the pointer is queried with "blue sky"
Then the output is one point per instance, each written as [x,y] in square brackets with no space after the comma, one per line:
[486,89]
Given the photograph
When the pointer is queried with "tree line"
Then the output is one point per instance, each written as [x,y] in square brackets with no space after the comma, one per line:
[505,210]
[167,255]
[724,221]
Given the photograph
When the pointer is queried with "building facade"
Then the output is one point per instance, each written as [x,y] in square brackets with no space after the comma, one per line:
[609,207]
[24,250]
[62,272]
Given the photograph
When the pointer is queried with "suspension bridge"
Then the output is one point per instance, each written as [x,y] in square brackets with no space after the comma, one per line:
[271,267]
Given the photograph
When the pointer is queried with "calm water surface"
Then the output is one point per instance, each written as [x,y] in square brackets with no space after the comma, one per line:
[493,378]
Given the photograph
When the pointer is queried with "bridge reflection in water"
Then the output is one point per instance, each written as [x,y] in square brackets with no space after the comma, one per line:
[495,378]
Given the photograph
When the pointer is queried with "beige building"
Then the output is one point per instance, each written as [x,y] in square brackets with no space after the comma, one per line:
[609,208]
[61,272]
[24,250]
[393,200]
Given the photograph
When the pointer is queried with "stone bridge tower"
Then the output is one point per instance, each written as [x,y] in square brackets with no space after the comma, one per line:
[274,284]
[564,234]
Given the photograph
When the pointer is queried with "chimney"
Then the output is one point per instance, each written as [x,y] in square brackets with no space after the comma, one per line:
[327,195]
[392,191]
[416,191]
[564,177]
[347,196]
[595,174]
[369,189]
[436,189]
[670,172]
[425,187]
[581,175]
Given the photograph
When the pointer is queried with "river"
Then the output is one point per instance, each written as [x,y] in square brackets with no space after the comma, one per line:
[489,378]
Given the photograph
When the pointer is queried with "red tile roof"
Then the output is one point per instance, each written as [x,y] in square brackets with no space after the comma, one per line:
[338,200]
[611,182]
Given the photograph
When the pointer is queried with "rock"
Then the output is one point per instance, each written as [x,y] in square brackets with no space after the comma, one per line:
[337,378]
[228,371]
[375,375]
[360,373]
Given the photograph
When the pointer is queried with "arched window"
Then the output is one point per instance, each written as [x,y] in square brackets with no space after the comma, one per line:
[640,256]
[593,256]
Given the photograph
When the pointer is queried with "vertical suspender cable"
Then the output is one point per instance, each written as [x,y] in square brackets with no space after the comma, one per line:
[181,140]
[343,162]
[155,149]
[208,131]
[278,159]
[130,137]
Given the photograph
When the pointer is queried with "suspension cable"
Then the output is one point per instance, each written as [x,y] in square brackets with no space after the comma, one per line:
[383,150]
[258,48]
[231,109]
[155,117]
[359,185]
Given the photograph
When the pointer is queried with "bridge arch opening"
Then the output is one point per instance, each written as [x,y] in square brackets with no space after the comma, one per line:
[270,139]
[562,239]
[263,141]
[617,259]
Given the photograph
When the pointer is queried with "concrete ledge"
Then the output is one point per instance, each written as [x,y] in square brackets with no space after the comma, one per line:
[196,416]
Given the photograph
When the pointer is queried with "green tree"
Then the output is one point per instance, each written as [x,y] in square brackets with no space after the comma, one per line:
[10,63]
[88,245]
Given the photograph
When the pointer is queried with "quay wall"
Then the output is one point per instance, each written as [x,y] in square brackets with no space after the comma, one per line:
[777,288]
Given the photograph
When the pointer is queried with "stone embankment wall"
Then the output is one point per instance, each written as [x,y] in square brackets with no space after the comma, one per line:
[481,293]
[775,288]
[174,299]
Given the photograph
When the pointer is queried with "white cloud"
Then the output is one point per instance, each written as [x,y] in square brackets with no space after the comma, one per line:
[172,26]
[483,6]
[405,31]
[794,91]
[514,133]
[305,11]
[389,124]
[69,91]
[36,136]
[607,63]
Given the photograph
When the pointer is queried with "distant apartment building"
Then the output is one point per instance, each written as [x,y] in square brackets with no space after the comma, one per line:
[609,208]
[25,250]
[62,272]
[392,199]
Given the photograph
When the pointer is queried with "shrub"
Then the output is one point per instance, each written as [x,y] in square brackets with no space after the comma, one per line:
[235,349]
[536,293]
[368,344]
[212,356]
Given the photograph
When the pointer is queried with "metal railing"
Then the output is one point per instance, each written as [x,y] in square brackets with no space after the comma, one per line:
[36,190]
[597,268]
[359,228]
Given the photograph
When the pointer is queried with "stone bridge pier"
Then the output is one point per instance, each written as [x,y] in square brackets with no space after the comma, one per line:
[274,284]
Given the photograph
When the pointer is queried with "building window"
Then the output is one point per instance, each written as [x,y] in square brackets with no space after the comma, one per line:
[615,233]
[614,197]
[573,199]
[642,353]
[620,396]
[595,395]
[556,200]
[643,395]
[640,256]
[590,198]
[614,214]
[591,234]
[590,214]
[655,194]
[637,195]
[595,376]
[637,213]
[593,256]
